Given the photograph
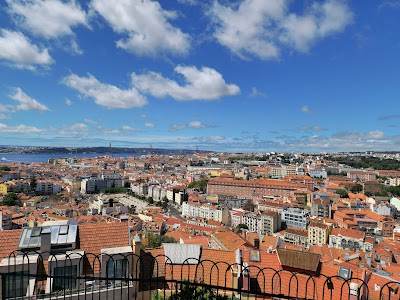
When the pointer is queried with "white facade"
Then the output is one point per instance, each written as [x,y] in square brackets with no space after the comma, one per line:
[208,212]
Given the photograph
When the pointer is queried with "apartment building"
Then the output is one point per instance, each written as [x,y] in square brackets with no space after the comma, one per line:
[206,211]
[301,179]
[47,187]
[265,223]
[321,208]
[295,217]
[296,236]
[5,221]
[341,238]
[250,188]
[60,251]
[318,233]
[361,175]
[280,171]
[93,185]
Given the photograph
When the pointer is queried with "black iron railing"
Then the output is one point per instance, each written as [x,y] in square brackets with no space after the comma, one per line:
[88,276]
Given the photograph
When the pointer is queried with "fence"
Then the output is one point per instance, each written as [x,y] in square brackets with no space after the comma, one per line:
[76,275]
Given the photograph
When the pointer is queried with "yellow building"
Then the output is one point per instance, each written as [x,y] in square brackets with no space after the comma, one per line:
[4,189]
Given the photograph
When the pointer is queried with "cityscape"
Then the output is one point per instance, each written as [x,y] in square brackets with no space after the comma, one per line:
[326,216]
[199,149]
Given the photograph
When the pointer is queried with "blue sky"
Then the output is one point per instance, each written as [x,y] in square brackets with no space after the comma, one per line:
[236,76]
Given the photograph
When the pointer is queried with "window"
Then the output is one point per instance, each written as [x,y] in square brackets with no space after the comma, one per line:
[116,269]
[65,278]
[16,284]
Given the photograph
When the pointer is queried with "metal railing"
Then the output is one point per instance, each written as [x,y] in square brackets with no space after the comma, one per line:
[74,275]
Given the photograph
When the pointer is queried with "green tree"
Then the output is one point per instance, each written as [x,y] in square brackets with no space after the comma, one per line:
[356,188]
[342,193]
[155,240]
[32,183]
[5,168]
[200,184]
[249,205]
[10,199]
[240,226]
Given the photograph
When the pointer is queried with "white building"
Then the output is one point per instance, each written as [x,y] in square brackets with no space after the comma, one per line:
[209,212]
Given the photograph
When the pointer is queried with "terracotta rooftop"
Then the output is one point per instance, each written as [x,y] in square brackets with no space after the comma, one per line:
[9,240]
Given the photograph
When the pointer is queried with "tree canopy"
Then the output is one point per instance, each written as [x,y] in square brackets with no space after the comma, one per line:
[10,199]
[200,184]
[155,240]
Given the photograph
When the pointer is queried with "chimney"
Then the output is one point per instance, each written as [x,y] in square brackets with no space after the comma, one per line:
[257,243]
[45,241]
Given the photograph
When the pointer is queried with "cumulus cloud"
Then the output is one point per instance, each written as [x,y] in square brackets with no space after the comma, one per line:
[196,124]
[49,19]
[106,95]
[191,124]
[145,26]
[258,28]
[18,51]
[150,125]
[129,128]
[74,129]
[26,102]
[203,84]
[20,129]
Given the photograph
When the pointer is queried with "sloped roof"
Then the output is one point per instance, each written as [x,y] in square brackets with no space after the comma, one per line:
[299,259]
[9,242]
[94,237]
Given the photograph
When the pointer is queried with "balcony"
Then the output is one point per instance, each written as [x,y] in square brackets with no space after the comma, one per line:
[157,277]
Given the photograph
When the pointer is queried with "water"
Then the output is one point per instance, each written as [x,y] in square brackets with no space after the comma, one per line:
[28,158]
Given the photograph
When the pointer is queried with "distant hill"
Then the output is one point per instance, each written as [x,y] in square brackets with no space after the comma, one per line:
[95,150]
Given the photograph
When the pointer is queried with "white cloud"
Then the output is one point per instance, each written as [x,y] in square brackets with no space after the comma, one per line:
[176,127]
[90,121]
[20,129]
[143,116]
[256,93]
[145,26]
[150,125]
[49,19]
[16,49]
[130,128]
[203,84]
[26,102]
[74,129]
[110,131]
[105,95]
[77,127]
[4,116]
[68,102]
[196,124]
[305,109]
[259,28]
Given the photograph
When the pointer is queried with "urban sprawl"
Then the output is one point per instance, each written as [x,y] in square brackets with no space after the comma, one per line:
[334,215]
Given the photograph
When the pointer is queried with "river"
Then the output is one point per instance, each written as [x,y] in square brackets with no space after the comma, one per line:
[28,158]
